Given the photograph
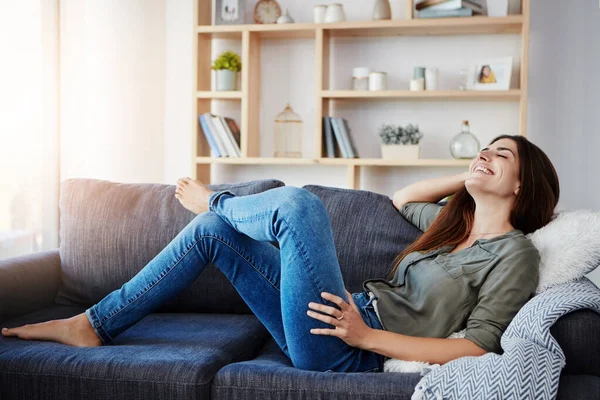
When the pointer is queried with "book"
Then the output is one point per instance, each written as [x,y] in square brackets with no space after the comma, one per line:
[347,133]
[328,138]
[343,126]
[216,134]
[209,137]
[337,131]
[461,12]
[234,146]
[223,136]
[475,5]
[235,131]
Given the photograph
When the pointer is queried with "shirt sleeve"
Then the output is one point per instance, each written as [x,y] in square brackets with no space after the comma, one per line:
[420,214]
[506,289]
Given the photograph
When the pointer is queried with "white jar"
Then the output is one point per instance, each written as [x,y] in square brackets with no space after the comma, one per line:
[417,85]
[335,13]
[319,13]
[377,81]
[432,77]
[360,78]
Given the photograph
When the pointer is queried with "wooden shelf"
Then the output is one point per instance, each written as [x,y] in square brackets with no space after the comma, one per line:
[513,94]
[251,38]
[380,162]
[255,160]
[219,95]
[423,162]
[511,24]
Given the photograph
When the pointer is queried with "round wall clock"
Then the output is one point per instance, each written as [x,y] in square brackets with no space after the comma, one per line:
[266,12]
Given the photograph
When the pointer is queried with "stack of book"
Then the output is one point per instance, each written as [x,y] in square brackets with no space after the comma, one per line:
[336,138]
[450,8]
[222,135]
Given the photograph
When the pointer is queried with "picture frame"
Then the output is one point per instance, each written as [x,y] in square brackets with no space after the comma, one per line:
[228,12]
[490,74]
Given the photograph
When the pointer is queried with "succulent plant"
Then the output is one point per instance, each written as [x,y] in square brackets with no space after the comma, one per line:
[228,60]
[392,134]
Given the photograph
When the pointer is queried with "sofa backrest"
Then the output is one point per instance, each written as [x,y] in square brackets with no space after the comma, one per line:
[109,231]
[368,232]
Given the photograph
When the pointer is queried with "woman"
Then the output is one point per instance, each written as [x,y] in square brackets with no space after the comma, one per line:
[298,293]
[487,75]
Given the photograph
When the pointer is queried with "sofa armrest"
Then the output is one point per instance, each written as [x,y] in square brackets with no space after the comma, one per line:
[578,335]
[28,283]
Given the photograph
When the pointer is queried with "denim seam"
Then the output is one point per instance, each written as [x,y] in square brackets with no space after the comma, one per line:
[251,218]
[303,254]
[244,258]
[153,285]
[302,251]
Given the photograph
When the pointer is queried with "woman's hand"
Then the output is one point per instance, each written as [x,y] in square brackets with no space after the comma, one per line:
[351,328]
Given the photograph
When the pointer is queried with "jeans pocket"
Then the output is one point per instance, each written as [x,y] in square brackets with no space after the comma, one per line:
[371,318]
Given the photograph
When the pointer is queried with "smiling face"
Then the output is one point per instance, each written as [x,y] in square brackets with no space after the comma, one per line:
[495,170]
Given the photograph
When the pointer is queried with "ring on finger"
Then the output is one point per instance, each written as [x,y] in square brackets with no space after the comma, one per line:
[340,318]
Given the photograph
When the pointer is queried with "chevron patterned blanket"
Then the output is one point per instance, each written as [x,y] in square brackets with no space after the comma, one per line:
[532,360]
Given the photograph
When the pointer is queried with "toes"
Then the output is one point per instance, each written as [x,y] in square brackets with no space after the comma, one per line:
[10,332]
[7,332]
[181,182]
[179,191]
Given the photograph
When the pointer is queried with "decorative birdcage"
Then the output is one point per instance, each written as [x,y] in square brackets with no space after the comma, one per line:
[288,134]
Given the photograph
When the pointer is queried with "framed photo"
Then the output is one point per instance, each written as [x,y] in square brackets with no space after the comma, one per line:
[492,74]
[228,12]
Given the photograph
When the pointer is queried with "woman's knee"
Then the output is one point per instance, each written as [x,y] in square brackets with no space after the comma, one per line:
[299,201]
[208,224]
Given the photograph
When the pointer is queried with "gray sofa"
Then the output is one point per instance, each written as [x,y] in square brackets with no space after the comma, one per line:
[205,343]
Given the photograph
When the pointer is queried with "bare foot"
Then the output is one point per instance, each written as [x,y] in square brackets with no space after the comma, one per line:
[193,195]
[74,331]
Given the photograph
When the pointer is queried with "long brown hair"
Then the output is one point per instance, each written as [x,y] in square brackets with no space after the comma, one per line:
[533,207]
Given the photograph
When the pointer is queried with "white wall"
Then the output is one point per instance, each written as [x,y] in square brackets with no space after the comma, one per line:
[564,98]
[112,89]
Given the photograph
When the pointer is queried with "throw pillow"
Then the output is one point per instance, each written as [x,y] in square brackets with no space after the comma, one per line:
[569,247]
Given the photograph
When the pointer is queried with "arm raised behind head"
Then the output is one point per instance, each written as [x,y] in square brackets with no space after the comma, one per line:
[430,190]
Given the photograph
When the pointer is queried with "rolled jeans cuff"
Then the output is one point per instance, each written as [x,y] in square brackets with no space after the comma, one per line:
[215,195]
[95,322]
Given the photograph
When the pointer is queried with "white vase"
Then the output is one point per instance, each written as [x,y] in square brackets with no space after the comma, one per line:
[319,13]
[335,13]
[285,18]
[400,151]
[226,79]
[382,10]
[432,77]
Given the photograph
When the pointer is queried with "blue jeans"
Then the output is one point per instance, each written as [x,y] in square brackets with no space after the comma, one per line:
[277,284]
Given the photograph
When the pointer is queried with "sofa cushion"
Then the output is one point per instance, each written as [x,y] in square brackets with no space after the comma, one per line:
[109,231]
[164,356]
[271,376]
[368,232]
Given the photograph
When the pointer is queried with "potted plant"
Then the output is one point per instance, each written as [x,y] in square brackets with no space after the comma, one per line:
[400,143]
[227,65]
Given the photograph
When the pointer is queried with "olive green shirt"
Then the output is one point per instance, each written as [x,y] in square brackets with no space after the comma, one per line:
[480,288]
